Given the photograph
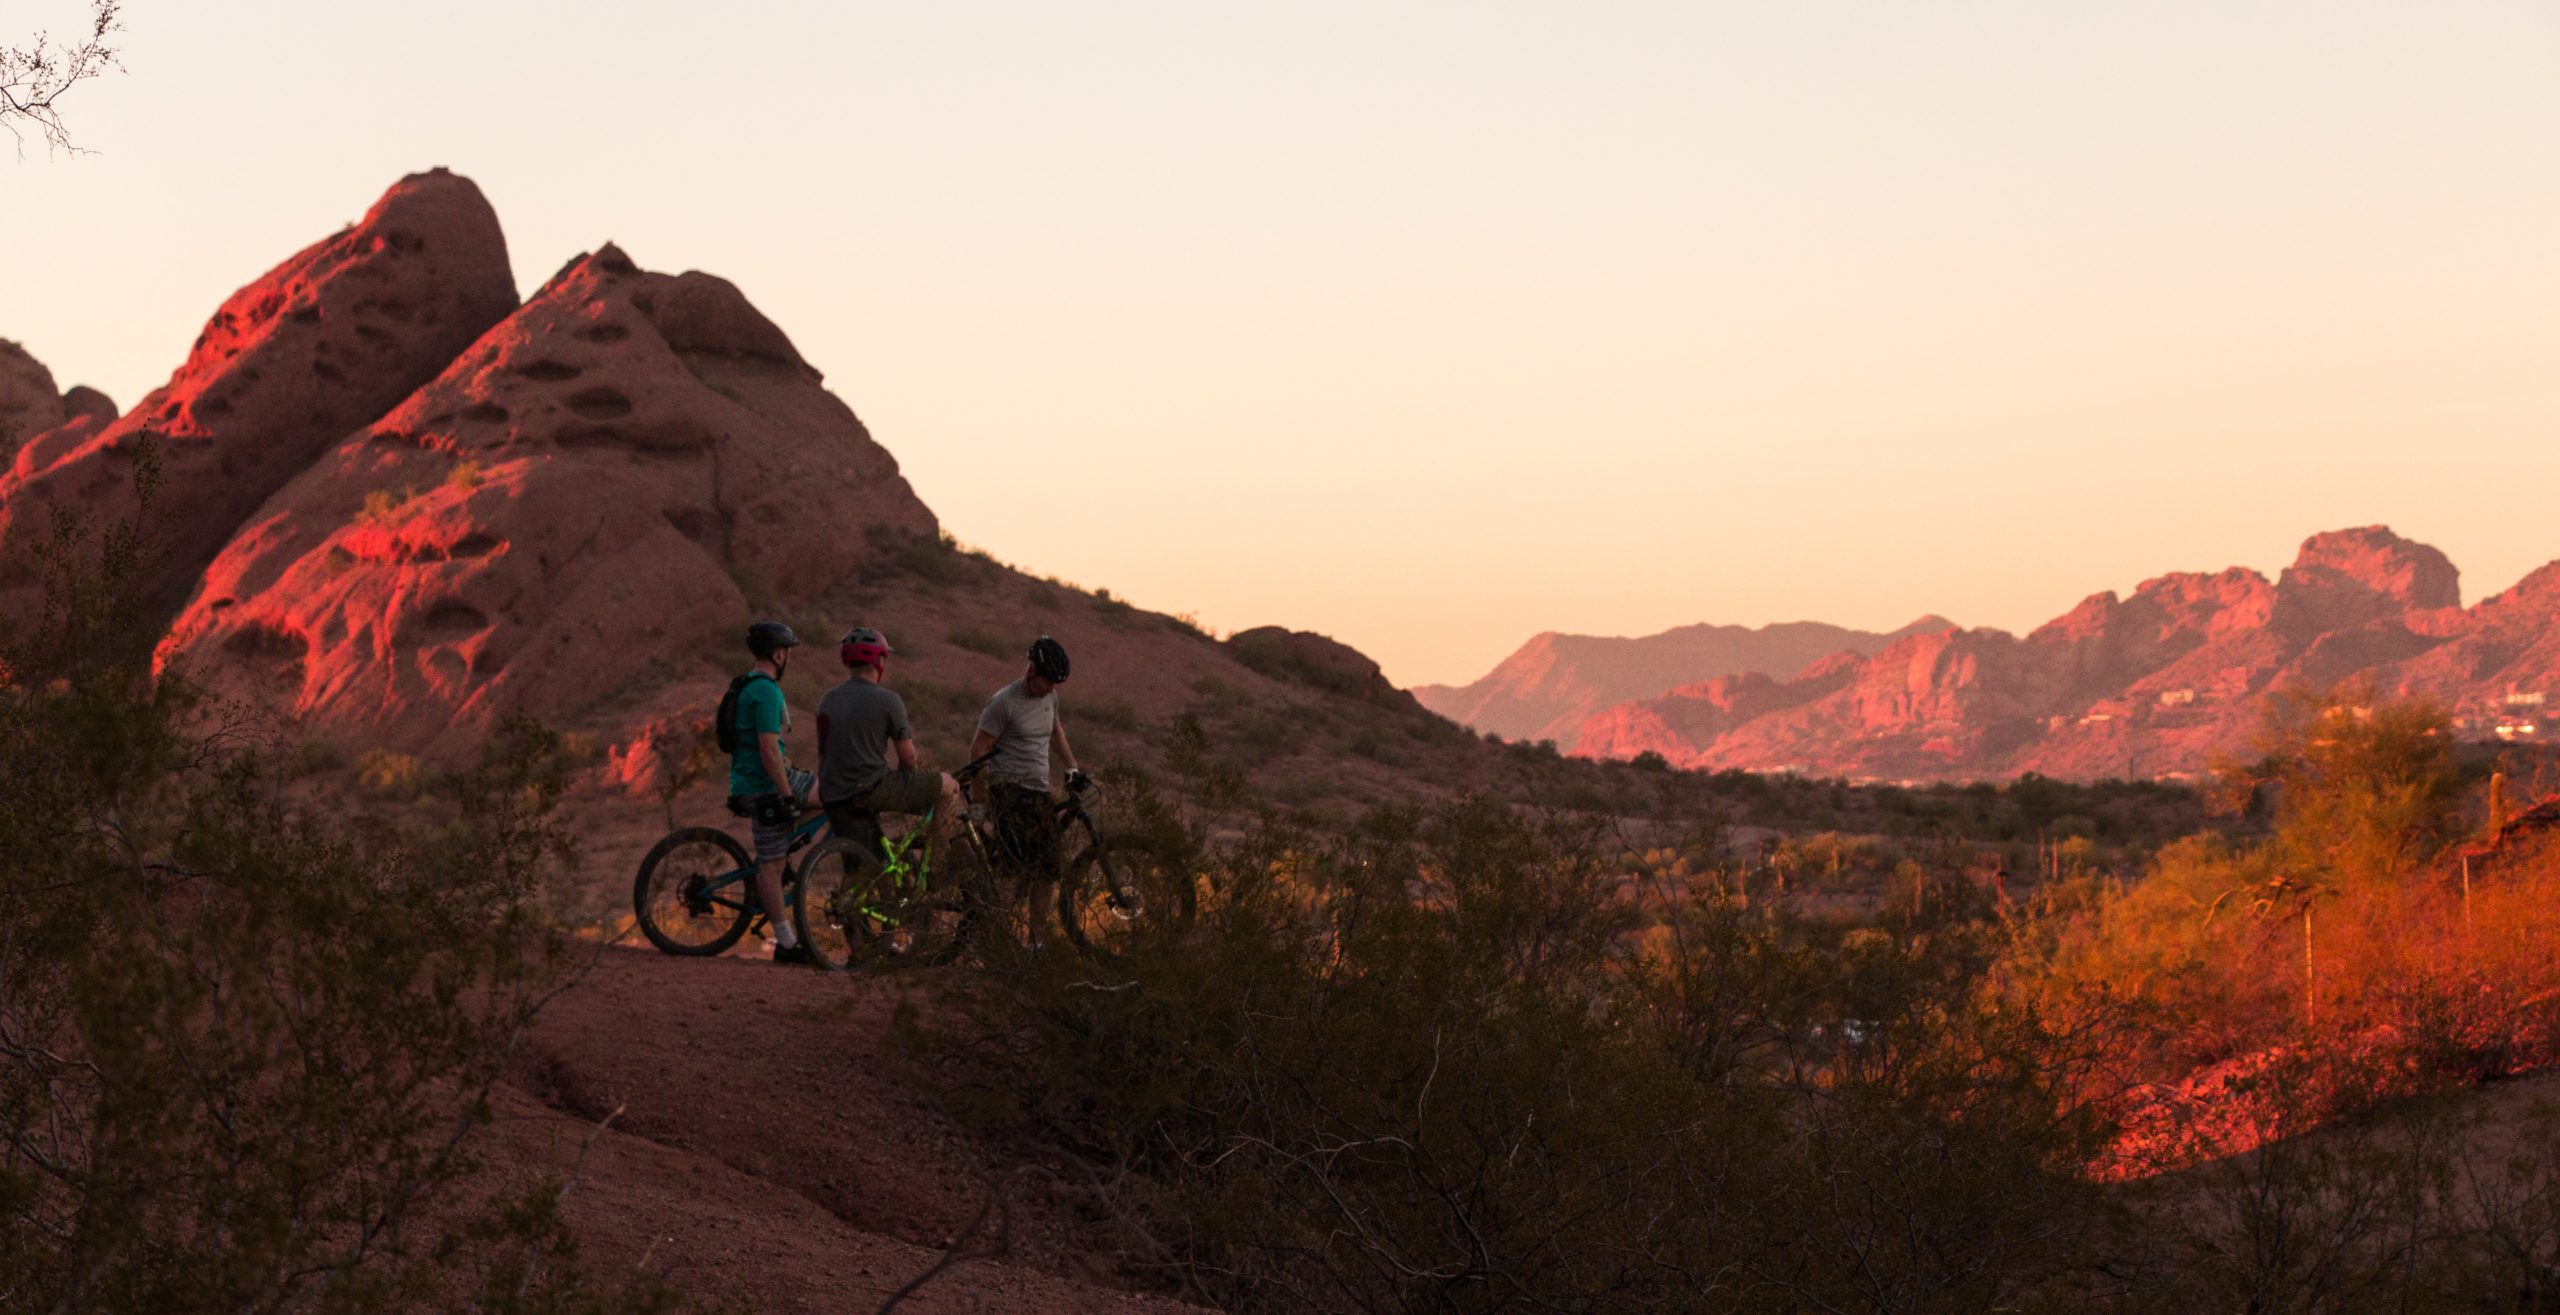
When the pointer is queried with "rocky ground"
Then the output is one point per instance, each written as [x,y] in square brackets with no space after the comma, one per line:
[763,1144]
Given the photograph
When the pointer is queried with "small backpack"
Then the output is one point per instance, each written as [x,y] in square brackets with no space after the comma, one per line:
[724,728]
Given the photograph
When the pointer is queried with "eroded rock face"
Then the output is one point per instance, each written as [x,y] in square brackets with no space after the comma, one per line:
[609,474]
[321,346]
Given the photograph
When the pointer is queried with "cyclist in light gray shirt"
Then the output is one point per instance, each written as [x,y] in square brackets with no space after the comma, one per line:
[1021,727]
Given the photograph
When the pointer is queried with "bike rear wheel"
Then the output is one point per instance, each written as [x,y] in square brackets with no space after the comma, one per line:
[691,892]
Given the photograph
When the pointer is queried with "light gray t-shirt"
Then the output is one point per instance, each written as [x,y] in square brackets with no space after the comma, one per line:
[857,720]
[1021,725]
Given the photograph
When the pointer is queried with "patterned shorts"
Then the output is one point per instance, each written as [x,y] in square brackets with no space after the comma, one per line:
[773,839]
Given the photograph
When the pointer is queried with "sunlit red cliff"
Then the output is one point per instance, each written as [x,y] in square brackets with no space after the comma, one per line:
[2157,683]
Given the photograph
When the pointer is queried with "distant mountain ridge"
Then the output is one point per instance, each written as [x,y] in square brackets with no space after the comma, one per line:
[1552,684]
[2157,683]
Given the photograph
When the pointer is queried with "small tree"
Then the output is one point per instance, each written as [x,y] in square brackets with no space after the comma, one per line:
[2362,788]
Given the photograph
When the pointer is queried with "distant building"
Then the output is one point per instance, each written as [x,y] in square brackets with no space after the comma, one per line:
[2177,698]
[2524,698]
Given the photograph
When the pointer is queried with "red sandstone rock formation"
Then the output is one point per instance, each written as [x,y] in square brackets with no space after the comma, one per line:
[1547,689]
[610,474]
[2160,682]
[320,346]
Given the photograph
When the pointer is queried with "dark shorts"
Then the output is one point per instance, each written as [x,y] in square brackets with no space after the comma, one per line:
[901,791]
[1028,838]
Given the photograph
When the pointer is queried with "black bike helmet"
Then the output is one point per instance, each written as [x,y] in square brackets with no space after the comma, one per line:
[766,638]
[1049,658]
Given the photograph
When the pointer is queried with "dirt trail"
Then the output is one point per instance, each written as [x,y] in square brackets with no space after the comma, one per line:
[770,1151]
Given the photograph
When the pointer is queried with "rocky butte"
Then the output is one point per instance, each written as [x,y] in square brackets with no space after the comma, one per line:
[397,507]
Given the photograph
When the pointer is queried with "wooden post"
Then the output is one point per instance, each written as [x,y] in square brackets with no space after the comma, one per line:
[2310,1001]
[2466,902]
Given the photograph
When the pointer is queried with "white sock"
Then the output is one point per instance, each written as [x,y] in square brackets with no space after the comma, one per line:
[783,937]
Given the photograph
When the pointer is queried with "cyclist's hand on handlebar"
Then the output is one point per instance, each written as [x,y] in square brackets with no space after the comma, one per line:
[1078,781]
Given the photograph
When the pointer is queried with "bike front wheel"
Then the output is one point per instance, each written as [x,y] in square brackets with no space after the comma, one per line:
[854,913]
[691,892]
[1109,884]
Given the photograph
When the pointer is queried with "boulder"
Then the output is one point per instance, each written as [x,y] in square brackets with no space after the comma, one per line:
[321,346]
[82,400]
[1319,661]
[573,500]
[28,404]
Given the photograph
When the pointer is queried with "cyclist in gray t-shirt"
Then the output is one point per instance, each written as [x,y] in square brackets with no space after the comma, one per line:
[1021,727]
[861,724]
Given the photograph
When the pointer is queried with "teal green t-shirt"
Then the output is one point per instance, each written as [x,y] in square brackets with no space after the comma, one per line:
[760,711]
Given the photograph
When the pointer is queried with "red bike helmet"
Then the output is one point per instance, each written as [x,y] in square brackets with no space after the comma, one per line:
[864,647]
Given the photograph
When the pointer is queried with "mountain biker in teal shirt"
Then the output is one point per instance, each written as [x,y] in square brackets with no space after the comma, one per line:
[763,786]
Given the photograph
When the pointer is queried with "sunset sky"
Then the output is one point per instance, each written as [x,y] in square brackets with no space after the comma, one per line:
[1433,326]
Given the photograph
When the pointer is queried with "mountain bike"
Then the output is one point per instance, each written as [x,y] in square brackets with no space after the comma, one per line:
[695,893]
[877,899]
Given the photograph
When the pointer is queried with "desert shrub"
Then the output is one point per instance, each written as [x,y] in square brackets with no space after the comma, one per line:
[1424,1061]
[245,1055]
[931,558]
[382,506]
[1108,710]
[393,775]
[982,641]
[2427,1207]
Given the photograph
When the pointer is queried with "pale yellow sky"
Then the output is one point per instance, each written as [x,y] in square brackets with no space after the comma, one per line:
[1432,326]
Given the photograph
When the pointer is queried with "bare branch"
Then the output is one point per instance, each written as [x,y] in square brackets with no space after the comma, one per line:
[35,77]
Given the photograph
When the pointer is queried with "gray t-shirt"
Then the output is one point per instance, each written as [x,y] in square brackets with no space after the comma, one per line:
[1021,725]
[856,722]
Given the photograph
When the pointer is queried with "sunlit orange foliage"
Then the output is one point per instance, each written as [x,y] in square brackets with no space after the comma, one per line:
[2351,956]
